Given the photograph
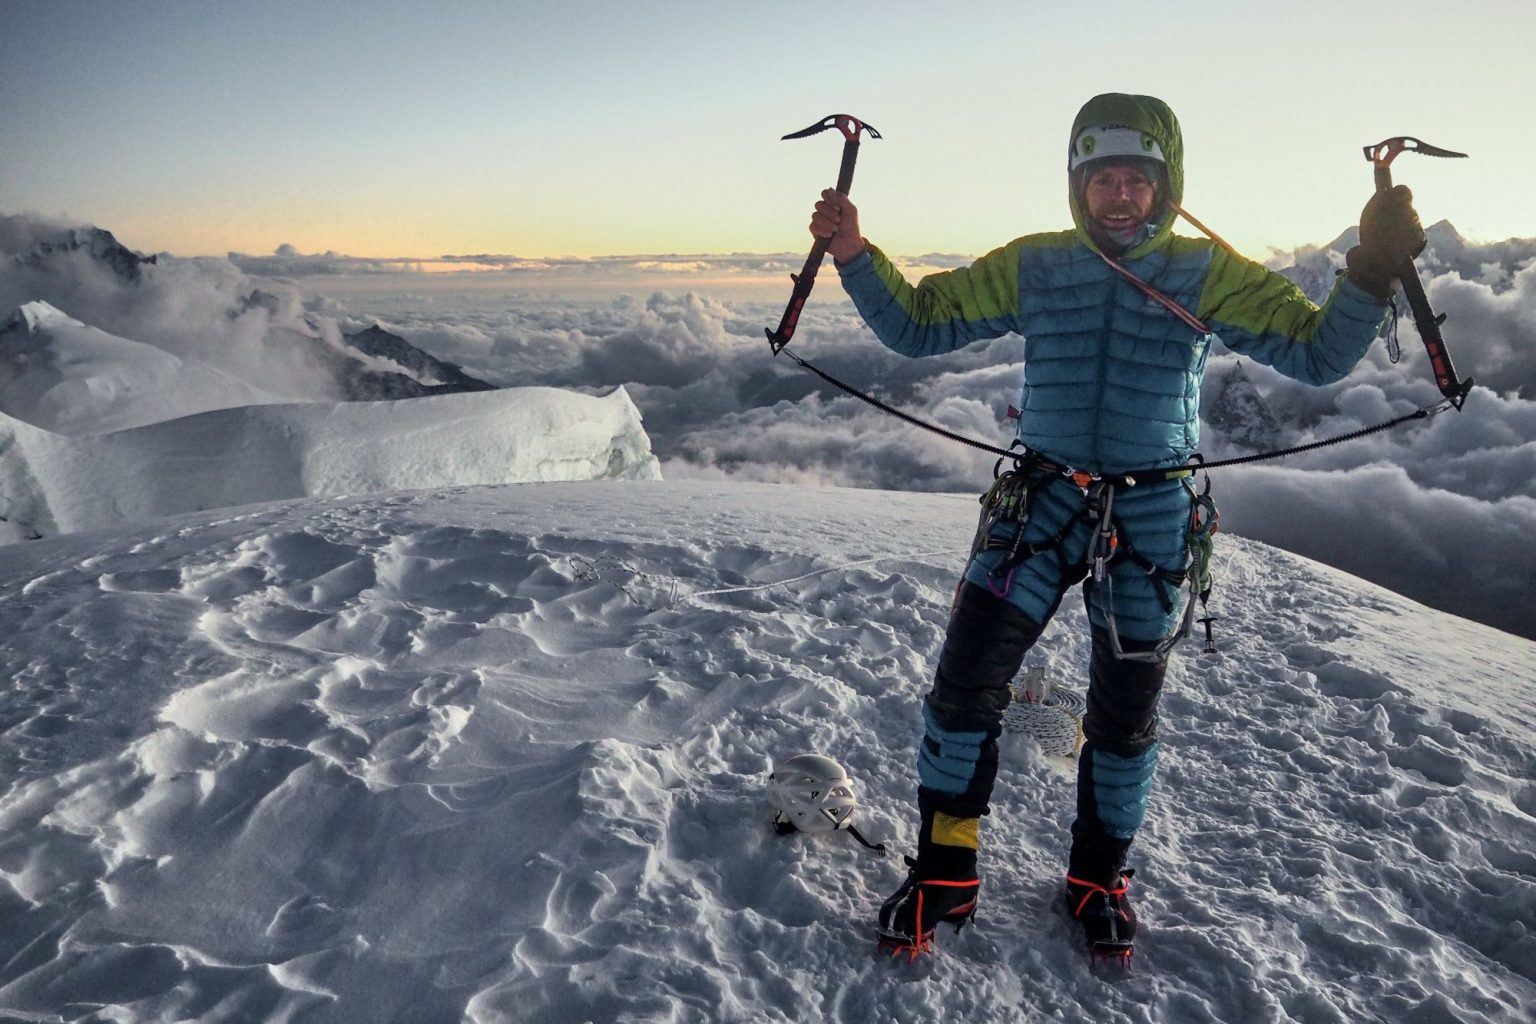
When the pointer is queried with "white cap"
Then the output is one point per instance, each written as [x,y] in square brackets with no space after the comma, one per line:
[1104,141]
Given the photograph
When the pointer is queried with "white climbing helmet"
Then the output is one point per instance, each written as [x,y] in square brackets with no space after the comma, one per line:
[811,793]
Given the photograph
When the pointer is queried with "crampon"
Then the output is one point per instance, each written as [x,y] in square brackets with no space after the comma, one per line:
[1109,922]
[909,917]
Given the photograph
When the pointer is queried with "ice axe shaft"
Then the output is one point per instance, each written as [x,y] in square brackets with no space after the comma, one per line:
[1425,318]
[851,127]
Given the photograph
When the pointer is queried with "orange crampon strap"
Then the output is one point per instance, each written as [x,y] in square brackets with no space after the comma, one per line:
[921,942]
[1093,888]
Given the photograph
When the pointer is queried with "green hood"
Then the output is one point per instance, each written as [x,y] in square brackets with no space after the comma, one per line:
[1147,114]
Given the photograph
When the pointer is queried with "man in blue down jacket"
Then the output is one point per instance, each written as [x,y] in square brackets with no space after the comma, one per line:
[1118,316]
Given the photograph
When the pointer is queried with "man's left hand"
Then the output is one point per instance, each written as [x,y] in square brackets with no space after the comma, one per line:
[1390,237]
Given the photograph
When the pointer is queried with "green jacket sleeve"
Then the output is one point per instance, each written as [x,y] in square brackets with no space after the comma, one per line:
[945,311]
[1263,315]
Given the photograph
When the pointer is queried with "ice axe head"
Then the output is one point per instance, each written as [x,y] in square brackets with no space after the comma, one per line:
[849,125]
[1383,153]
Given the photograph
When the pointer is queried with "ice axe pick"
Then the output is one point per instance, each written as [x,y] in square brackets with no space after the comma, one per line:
[851,127]
[1425,319]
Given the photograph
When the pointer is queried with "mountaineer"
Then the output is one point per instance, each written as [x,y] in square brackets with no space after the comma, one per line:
[1118,315]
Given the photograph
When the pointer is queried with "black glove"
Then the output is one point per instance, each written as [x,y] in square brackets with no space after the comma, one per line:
[1390,236]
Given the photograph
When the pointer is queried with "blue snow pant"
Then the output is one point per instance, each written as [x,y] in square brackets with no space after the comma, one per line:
[987,639]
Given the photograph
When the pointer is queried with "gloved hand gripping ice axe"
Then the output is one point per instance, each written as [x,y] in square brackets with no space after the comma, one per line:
[850,127]
[1424,317]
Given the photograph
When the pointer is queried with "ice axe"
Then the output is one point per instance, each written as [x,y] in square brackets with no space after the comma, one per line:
[1424,317]
[850,127]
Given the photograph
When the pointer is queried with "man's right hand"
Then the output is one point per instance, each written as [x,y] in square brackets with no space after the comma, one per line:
[837,220]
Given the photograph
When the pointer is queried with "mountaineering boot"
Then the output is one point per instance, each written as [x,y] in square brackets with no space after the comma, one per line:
[908,918]
[1109,922]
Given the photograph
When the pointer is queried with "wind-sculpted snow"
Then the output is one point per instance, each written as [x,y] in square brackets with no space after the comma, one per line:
[500,754]
[50,483]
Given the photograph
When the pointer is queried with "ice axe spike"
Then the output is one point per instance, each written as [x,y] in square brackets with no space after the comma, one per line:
[851,127]
[1425,318]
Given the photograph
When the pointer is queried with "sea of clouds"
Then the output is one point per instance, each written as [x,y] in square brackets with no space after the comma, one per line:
[1441,510]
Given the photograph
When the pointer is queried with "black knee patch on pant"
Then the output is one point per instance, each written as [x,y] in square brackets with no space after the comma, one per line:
[1122,698]
[983,649]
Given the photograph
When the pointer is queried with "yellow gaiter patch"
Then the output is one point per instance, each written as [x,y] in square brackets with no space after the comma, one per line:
[951,831]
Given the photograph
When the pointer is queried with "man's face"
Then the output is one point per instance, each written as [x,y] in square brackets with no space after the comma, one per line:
[1119,198]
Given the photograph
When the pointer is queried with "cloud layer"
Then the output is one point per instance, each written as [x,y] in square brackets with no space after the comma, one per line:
[1438,510]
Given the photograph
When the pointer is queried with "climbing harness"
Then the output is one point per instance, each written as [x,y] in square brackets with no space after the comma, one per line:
[1005,515]
[1196,575]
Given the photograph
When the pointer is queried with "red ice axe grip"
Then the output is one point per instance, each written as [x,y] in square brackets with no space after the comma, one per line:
[851,127]
[1425,319]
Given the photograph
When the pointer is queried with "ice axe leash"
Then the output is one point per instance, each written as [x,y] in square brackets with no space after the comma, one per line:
[1425,319]
[851,127]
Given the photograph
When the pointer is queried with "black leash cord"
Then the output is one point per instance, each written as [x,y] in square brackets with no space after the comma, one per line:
[924,424]
[1170,473]
[1418,414]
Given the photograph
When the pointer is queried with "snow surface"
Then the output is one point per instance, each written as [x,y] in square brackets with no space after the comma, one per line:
[500,754]
[50,483]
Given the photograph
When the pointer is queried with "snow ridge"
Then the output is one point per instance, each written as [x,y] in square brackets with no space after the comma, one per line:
[50,483]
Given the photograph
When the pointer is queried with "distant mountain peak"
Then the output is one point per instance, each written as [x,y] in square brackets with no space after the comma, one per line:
[424,373]
[1442,233]
[1241,414]
[99,243]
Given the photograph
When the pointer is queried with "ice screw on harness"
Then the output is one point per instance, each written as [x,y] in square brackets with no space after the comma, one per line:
[1424,317]
[851,127]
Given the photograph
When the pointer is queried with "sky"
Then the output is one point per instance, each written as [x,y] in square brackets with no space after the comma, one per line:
[541,129]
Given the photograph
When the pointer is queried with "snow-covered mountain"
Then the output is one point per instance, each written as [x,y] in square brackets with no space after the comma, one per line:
[207,313]
[50,483]
[66,377]
[98,430]
[1239,413]
[499,754]
[33,242]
